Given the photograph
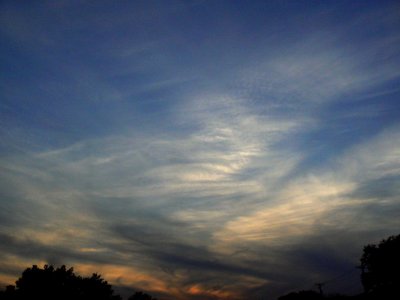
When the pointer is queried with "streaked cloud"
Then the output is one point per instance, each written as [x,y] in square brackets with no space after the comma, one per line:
[198,162]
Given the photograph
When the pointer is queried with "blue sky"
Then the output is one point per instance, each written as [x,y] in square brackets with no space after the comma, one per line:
[199,149]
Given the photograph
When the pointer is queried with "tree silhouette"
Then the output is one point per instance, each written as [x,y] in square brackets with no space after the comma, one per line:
[380,267]
[141,296]
[61,283]
[302,295]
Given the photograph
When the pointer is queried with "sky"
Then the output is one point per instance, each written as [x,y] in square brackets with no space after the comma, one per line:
[199,149]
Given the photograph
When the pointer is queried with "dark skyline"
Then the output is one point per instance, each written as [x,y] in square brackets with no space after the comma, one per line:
[199,149]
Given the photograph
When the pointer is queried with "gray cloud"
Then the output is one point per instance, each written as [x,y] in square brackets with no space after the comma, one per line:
[188,236]
[199,180]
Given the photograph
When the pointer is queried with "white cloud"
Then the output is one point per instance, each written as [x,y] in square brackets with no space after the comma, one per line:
[221,177]
[319,199]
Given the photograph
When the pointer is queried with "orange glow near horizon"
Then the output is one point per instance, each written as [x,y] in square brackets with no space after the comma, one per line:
[198,290]
[130,277]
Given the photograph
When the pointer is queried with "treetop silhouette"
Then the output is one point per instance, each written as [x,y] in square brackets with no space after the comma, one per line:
[380,267]
[59,283]
[141,296]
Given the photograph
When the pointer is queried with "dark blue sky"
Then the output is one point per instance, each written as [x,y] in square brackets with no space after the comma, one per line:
[199,149]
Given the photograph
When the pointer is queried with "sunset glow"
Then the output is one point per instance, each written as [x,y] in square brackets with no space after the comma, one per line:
[199,149]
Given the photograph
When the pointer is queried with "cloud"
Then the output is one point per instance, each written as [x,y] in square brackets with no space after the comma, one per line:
[150,203]
[318,69]
[200,180]
[325,209]
[307,199]
[186,209]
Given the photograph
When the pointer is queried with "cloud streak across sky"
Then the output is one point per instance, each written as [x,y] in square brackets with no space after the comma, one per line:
[199,150]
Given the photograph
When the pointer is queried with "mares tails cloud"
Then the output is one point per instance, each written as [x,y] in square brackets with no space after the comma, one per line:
[206,150]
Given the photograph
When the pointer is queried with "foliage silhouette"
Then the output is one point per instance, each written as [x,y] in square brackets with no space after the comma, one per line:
[380,269]
[60,283]
[141,296]
[302,295]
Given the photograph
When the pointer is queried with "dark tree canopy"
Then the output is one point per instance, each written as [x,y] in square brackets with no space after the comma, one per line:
[58,283]
[380,266]
[302,295]
[141,296]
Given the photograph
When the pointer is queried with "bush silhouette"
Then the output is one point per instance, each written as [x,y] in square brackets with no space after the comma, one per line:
[141,296]
[61,283]
[302,295]
[380,266]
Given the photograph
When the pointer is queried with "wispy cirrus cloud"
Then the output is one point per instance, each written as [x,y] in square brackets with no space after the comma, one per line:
[171,180]
[211,191]
[219,169]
